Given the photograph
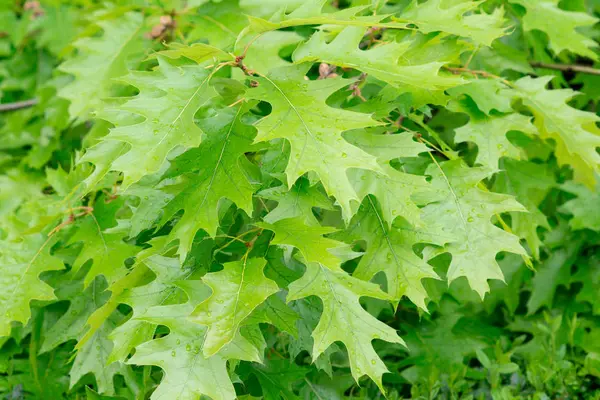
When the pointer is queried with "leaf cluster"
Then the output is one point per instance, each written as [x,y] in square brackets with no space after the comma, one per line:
[299,199]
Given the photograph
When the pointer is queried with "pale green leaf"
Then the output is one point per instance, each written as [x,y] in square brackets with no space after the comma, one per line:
[99,60]
[387,62]
[389,250]
[458,215]
[343,318]
[575,132]
[456,17]
[560,26]
[237,290]
[308,239]
[168,99]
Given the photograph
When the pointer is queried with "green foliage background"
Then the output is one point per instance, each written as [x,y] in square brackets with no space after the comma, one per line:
[299,199]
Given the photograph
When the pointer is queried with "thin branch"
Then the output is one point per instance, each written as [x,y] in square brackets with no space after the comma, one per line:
[567,68]
[18,105]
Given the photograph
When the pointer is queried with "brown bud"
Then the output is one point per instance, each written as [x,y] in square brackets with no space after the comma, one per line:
[166,20]
[157,30]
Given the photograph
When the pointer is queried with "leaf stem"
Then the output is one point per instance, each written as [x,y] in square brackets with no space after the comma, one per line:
[18,105]
[238,238]
[566,67]
[477,73]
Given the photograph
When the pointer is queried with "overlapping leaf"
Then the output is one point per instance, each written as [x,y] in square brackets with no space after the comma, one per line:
[458,215]
[560,26]
[575,132]
[213,172]
[168,99]
[456,17]
[315,136]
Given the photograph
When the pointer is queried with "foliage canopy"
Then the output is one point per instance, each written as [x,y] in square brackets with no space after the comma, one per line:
[299,199]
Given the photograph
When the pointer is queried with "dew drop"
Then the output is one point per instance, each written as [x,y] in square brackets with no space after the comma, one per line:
[470,219]
[178,342]
[188,347]
[209,314]
[499,146]
[344,155]
[373,362]
[173,354]
[196,350]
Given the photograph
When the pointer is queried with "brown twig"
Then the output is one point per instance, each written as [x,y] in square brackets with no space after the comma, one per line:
[239,62]
[86,210]
[355,87]
[566,68]
[17,105]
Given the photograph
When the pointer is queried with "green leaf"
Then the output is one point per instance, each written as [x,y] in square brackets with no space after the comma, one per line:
[179,353]
[92,358]
[555,271]
[99,60]
[276,378]
[584,208]
[389,250]
[308,239]
[264,52]
[212,172]
[274,311]
[488,94]
[382,62]
[103,245]
[82,304]
[316,143]
[237,290]
[561,26]
[296,202]
[178,92]
[489,133]
[458,214]
[529,183]
[574,131]
[456,17]
[344,319]
[310,12]
[160,291]
[588,274]
[21,263]
[384,146]
[393,191]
